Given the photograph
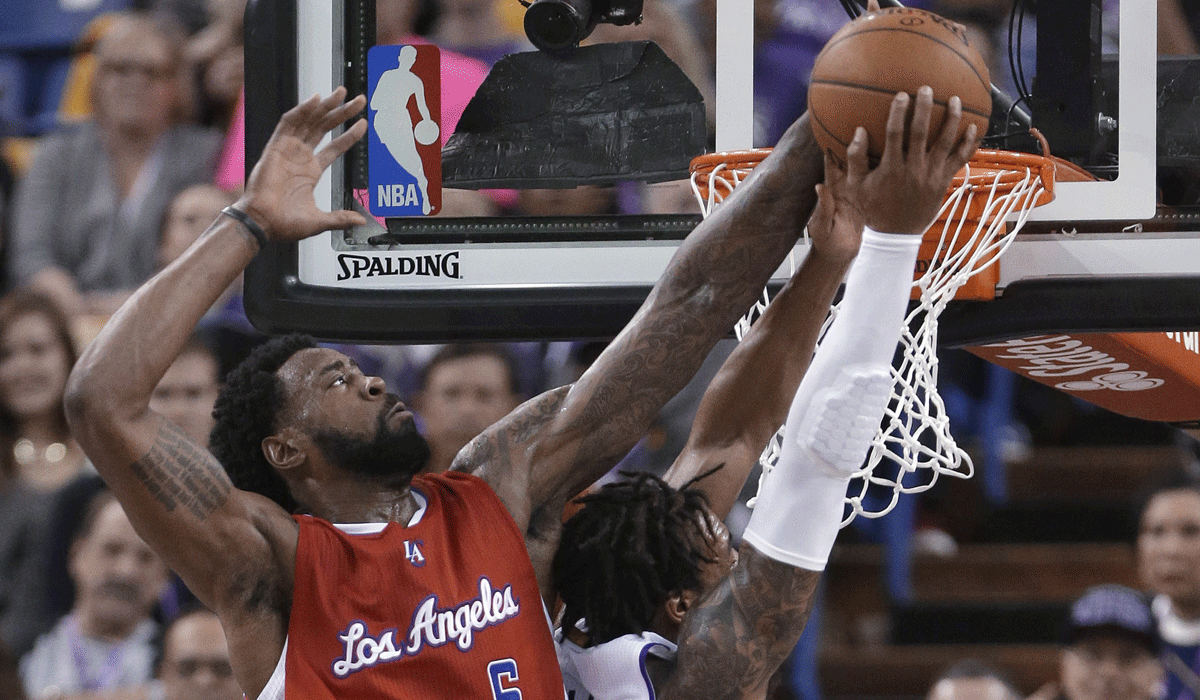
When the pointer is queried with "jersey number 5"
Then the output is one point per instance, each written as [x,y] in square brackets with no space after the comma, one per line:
[503,674]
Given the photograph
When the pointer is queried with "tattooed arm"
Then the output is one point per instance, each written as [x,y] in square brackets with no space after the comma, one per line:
[748,399]
[234,550]
[739,634]
[552,447]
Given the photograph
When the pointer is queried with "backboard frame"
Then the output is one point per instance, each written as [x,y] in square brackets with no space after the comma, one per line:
[293,287]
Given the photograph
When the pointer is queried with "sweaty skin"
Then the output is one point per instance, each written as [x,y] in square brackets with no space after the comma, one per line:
[236,550]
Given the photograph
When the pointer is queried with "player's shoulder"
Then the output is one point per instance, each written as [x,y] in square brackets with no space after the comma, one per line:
[447,489]
[619,669]
[449,481]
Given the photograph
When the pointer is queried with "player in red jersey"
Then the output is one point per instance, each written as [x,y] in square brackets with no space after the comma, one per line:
[428,594]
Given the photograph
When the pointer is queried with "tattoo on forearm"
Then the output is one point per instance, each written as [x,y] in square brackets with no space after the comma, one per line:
[700,298]
[740,634]
[527,423]
[179,474]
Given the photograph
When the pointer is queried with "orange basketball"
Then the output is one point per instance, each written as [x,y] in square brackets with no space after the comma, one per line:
[896,49]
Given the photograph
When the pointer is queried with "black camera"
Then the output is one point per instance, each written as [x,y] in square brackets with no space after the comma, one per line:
[556,26]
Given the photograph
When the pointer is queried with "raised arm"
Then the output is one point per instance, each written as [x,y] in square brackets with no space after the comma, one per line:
[748,399]
[234,549]
[738,635]
[555,445]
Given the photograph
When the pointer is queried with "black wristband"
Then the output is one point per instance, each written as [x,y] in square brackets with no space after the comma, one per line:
[250,224]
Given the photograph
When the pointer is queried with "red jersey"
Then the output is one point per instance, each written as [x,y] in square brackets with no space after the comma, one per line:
[447,607]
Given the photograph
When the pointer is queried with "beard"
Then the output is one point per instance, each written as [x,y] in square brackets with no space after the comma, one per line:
[397,454]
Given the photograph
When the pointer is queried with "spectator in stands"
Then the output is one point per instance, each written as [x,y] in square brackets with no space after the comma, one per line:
[88,211]
[190,212]
[1111,650]
[972,679]
[106,642]
[195,659]
[462,390]
[216,54]
[1168,558]
[36,355]
[38,458]
[186,393]
[473,28]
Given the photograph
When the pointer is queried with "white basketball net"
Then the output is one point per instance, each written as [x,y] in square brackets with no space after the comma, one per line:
[915,431]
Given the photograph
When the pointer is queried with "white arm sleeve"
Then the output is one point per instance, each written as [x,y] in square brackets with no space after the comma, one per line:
[837,408]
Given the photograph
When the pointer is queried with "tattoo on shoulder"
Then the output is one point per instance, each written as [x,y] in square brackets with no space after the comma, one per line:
[740,634]
[181,475]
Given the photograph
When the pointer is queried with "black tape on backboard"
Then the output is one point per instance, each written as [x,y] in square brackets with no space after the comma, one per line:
[603,114]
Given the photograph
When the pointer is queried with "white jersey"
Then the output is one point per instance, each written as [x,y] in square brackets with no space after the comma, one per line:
[615,670]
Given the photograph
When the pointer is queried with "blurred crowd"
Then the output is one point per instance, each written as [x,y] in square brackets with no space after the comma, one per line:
[146,149]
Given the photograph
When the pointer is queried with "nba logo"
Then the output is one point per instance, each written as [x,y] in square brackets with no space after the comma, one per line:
[404,151]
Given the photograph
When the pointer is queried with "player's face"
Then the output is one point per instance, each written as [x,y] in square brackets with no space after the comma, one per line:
[33,367]
[195,663]
[1168,546]
[1109,667]
[352,419]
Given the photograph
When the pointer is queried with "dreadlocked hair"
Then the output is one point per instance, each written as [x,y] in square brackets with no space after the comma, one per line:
[633,544]
[245,413]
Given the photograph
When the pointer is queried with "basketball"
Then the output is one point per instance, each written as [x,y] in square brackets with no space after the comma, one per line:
[895,49]
[425,132]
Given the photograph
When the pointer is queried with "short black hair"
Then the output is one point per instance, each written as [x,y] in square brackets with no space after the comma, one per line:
[92,510]
[245,413]
[164,635]
[626,551]
[1173,481]
[458,351]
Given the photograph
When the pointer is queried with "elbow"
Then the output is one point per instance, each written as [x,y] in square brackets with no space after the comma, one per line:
[88,398]
[80,397]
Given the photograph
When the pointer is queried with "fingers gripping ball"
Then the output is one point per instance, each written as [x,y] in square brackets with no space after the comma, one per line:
[896,49]
[425,132]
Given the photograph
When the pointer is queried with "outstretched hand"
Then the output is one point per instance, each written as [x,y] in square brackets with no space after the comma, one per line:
[836,224]
[279,192]
[904,192]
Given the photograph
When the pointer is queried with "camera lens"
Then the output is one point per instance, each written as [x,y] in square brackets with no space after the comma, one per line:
[558,25]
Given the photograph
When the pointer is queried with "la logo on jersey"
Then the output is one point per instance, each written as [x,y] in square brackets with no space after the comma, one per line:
[404,150]
[412,552]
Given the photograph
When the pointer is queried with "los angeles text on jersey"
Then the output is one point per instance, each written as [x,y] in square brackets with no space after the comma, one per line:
[437,265]
[431,626]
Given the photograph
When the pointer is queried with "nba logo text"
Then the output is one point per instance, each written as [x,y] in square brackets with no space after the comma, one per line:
[404,151]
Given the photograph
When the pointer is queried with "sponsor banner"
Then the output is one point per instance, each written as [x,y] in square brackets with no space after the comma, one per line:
[1152,376]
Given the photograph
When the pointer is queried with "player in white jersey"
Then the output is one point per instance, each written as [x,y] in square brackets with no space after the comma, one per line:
[645,563]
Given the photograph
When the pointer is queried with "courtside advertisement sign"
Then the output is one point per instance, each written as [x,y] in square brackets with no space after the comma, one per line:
[404,150]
